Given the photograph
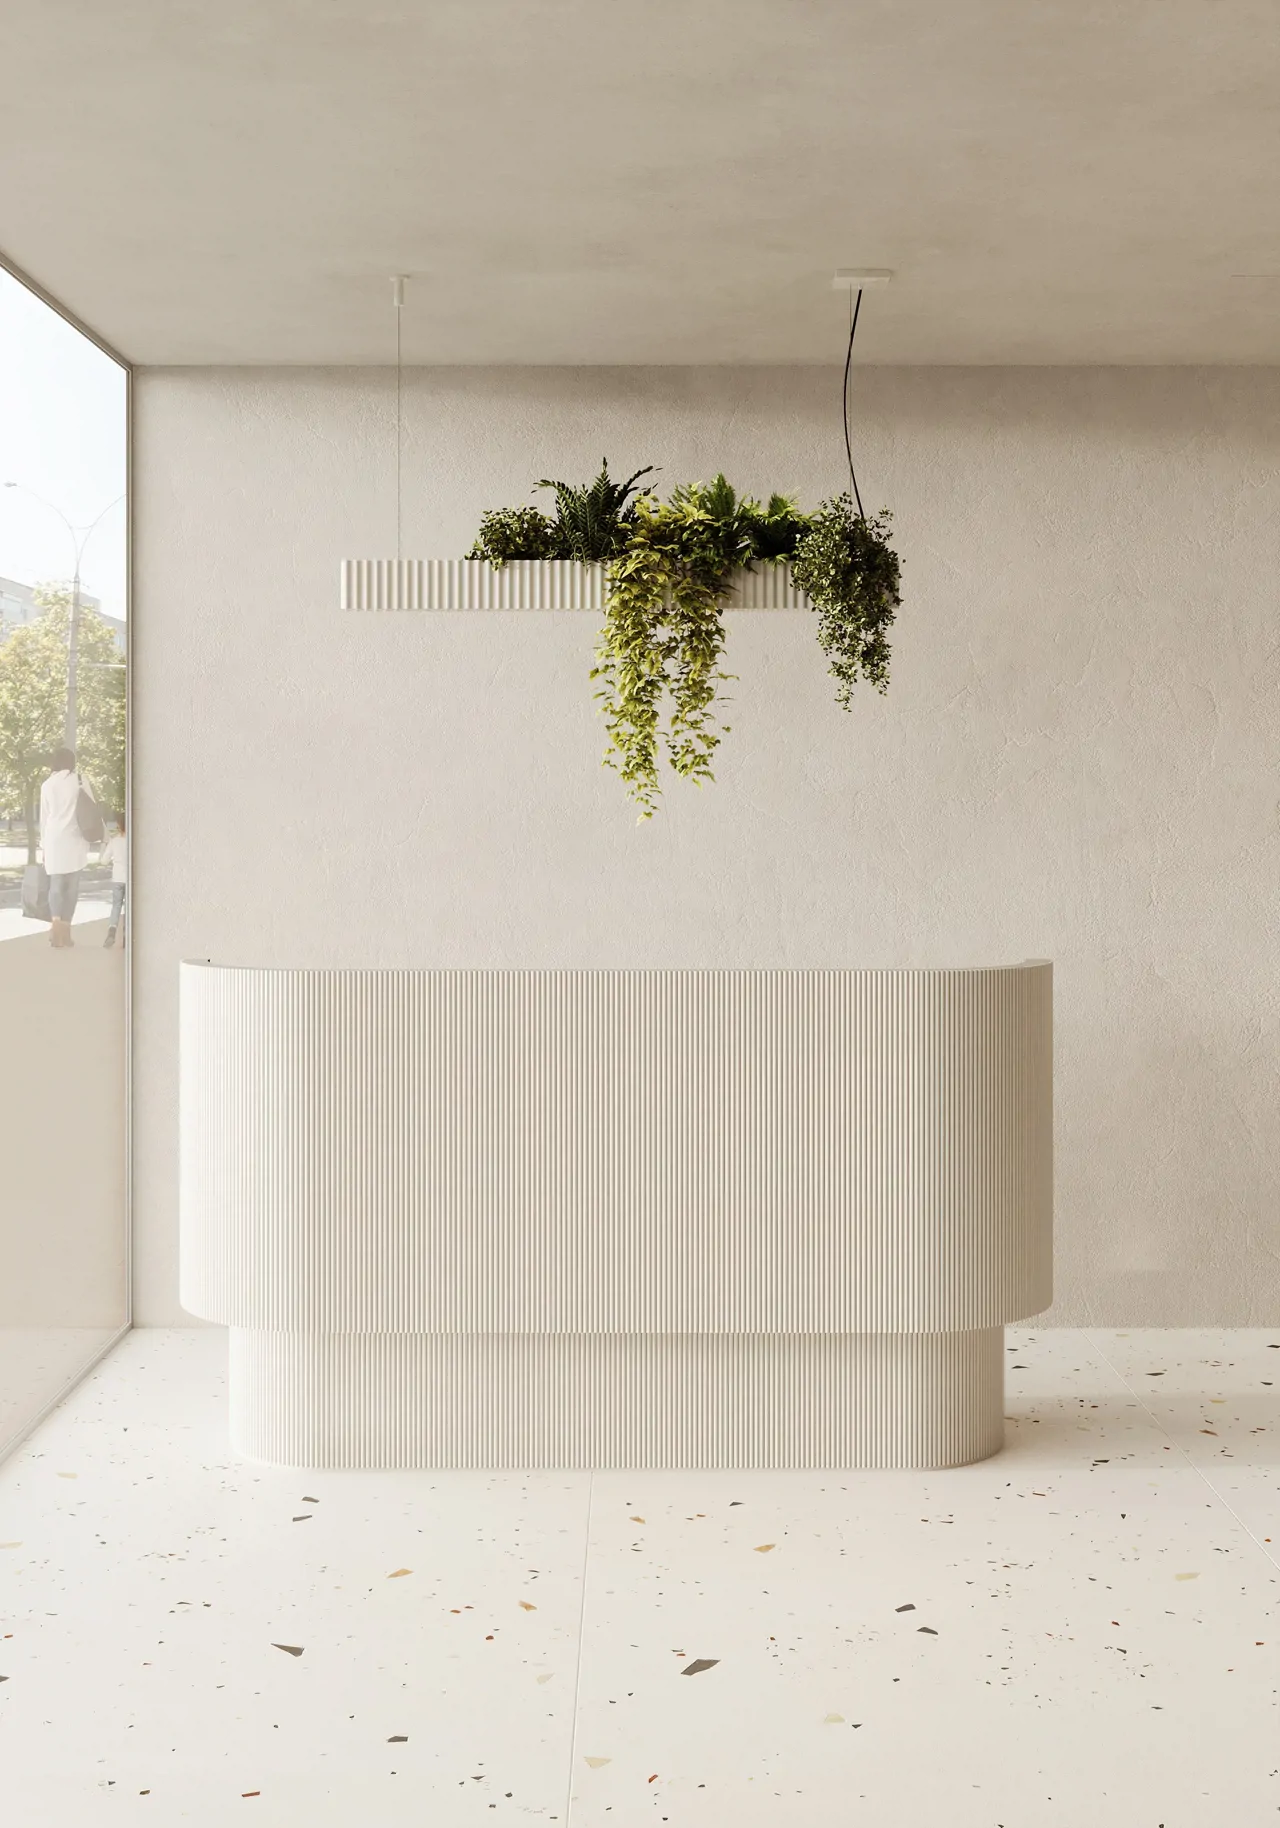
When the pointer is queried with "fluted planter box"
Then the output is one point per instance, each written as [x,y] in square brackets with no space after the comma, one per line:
[616,1218]
[526,584]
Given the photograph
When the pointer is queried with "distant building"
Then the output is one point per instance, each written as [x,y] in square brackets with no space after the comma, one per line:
[18,606]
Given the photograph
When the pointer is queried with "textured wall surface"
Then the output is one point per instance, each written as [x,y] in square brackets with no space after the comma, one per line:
[1076,759]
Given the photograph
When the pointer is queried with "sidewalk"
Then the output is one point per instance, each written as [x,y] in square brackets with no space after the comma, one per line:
[14,924]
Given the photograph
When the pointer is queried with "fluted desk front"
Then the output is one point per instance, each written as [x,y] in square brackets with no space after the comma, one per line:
[617,1218]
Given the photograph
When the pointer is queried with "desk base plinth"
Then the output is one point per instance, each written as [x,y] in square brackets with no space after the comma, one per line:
[617,1400]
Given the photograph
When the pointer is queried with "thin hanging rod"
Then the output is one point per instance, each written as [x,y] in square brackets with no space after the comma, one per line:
[398,283]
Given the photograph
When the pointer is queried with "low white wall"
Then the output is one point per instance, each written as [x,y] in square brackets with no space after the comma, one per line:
[1076,759]
[62,1135]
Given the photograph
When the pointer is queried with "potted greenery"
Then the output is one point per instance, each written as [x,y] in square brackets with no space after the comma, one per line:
[671,567]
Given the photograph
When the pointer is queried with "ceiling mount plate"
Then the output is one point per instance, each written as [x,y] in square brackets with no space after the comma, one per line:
[857,279]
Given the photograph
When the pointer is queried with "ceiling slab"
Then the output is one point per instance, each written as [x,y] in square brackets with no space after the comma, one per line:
[667,181]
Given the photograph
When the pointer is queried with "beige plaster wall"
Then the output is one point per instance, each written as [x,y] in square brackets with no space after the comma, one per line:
[1077,758]
[62,1137]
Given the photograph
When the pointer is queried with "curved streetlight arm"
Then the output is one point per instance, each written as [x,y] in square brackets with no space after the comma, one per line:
[92,524]
[79,535]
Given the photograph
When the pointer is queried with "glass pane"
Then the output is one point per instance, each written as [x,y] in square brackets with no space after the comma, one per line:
[63,853]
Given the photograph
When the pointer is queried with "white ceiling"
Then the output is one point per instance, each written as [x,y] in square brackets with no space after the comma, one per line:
[597,181]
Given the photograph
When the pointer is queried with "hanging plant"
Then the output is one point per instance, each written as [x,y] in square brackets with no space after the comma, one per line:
[590,524]
[776,529]
[670,568]
[516,533]
[592,519]
[663,636]
[846,567]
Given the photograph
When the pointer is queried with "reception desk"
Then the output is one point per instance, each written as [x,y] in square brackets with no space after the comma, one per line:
[616,1218]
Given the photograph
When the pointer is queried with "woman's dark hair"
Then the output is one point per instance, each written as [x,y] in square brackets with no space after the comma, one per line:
[62,758]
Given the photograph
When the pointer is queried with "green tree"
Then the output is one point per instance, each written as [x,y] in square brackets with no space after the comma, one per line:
[33,705]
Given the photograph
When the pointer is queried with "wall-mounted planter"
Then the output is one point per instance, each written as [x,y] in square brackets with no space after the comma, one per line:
[468,584]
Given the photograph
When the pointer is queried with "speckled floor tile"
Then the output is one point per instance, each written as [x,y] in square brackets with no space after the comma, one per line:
[1072,1631]
[36,1365]
[1080,1630]
[1065,1406]
[1217,1395]
[194,1634]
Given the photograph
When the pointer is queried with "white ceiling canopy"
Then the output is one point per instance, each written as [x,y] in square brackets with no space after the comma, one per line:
[662,181]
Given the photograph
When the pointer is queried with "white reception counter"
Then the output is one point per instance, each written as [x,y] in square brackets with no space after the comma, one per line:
[617,1218]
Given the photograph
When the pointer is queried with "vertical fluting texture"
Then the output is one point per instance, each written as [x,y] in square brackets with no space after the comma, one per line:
[616,1152]
[382,584]
[525,584]
[609,1399]
[616,1218]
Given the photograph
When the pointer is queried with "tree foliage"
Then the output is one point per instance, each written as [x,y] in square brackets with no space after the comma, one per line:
[33,705]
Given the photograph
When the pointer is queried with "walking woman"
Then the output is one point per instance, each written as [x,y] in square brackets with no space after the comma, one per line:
[64,845]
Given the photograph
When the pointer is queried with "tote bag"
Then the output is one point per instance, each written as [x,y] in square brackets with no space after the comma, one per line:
[89,816]
[35,893]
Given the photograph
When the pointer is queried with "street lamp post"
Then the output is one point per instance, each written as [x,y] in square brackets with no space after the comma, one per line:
[79,540]
[73,656]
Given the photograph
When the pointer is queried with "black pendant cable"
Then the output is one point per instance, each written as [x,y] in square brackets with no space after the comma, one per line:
[844,400]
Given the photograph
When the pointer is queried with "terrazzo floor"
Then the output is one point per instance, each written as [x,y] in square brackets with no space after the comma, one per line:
[1082,1630]
[36,1363]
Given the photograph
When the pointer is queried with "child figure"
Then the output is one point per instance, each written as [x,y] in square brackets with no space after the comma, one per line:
[116,852]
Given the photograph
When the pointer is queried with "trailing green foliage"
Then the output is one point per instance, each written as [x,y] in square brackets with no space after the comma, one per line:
[847,568]
[516,533]
[664,635]
[592,518]
[669,570]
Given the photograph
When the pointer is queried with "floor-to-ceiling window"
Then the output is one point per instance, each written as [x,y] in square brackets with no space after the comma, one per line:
[64,911]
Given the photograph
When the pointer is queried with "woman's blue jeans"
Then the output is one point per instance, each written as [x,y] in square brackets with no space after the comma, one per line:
[64,892]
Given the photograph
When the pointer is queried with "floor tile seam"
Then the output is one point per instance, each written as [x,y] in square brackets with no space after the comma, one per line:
[577,1670]
[1085,1335]
[1198,1470]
